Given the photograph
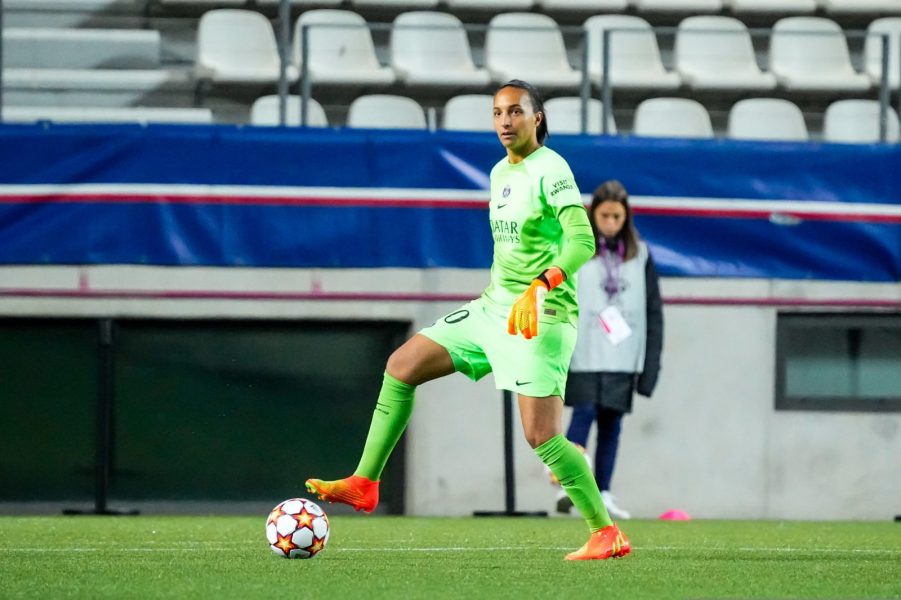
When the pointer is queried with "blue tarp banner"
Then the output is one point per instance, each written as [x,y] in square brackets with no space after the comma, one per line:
[271,197]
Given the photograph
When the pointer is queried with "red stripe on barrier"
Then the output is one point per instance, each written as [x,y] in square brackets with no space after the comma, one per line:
[775,215]
[84,198]
[782,217]
[89,294]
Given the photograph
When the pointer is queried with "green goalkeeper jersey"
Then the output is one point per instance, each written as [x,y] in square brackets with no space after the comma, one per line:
[527,199]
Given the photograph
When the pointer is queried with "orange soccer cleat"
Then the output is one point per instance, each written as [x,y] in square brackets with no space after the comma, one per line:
[359,492]
[608,542]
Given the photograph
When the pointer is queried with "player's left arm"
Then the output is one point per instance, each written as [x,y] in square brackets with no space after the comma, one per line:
[578,239]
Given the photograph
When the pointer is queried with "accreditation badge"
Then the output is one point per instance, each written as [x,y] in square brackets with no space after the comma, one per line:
[614,325]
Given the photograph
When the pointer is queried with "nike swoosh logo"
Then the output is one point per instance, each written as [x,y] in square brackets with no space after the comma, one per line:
[500,206]
[518,382]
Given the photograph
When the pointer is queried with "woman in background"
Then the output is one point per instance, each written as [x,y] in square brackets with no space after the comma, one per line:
[620,335]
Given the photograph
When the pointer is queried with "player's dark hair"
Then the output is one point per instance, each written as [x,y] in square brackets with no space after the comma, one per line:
[614,191]
[537,103]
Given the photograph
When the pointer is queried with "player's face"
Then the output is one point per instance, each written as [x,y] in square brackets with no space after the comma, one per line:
[516,121]
[609,218]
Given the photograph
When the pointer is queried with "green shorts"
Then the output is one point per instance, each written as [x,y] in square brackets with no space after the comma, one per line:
[476,338]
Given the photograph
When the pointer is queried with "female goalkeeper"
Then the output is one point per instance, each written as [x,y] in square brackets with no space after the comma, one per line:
[541,237]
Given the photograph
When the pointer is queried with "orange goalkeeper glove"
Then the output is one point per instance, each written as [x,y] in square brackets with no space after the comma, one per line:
[527,308]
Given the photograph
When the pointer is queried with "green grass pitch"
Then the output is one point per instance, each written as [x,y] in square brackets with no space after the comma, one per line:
[407,557]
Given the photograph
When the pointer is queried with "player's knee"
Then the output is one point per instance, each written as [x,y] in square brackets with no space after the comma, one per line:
[402,365]
[536,436]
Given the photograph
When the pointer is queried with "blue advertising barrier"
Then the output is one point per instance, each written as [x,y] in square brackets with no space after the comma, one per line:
[290,197]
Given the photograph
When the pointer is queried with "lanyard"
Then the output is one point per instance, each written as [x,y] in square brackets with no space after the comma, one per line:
[612,263]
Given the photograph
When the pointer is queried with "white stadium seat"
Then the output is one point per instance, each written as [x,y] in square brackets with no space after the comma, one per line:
[796,7]
[811,54]
[634,54]
[469,112]
[861,6]
[890,26]
[302,3]
[418,4]
[714,52]
[491,5]
[341,50]
[431,49]
[529,46]
[857,122]
[672,117]
[384,111]
[564,115]
[265,112]
[767,119]
[691,6]
[216,3]
[592,5]
[237,46]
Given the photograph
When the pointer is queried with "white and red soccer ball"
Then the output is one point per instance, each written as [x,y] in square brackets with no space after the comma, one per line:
[297,528]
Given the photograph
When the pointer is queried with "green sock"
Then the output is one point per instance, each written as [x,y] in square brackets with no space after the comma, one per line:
[572,471]
[389,419]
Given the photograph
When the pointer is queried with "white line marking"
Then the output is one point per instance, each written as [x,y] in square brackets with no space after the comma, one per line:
[194,546]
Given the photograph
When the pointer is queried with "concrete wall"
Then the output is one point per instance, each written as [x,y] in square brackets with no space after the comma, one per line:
[709,442]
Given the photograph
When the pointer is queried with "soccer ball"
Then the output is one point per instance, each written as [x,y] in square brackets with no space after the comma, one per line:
[297,528]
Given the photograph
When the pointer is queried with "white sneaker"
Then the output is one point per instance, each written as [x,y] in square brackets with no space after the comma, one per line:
[615,511]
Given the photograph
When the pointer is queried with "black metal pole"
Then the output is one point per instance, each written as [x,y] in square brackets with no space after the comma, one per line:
[606,83]
[585,91]
[284,41]
[509,473]
[306,86]
[105,391]
[104,434]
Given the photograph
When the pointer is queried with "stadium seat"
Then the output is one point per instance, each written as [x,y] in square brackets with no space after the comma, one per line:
[202,3]
[767,119]
[672,117]
[857,122]
[492,5]
[237,46]
[265,112]
[873,50]
[469,112]
[691,6]
[65,48]
[302,3]
[529,46]
[811,54]
[714,52]
[216,3]
[133,114]
[564,115]
[772,6]
[634,54]
[341,49]
[582,5]
[431,49]
[384,111]
[420,4]
[865,7]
